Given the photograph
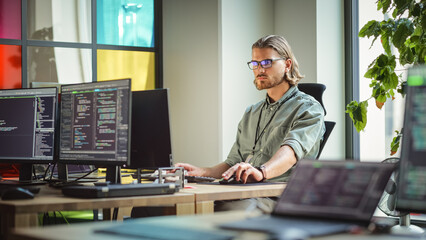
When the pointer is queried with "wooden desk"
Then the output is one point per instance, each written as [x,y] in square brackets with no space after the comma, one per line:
[200,199]
[24,213]
[207,222]
[206,194]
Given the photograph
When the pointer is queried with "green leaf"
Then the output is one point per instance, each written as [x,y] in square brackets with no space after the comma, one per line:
[394,13]
[372,73]
[404,29]
[372,28]
[392,93]
[379,93]
[401,5]
[406,56]
[416,11]
[358,114]
[386,44]
[390,81]
[396,142]
[382,60]
[385,5]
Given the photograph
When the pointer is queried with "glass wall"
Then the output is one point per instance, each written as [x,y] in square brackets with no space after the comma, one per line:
[139,66]
[58,45]
[61,21]
[126,23]
[10,19]
[10,66]
[59,65]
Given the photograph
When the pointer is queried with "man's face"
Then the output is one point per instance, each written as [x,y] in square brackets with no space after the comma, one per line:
[268,77]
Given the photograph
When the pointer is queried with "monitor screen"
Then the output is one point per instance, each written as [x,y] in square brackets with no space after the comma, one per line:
[95,123]
[151,144]
[27,127]
[411,186]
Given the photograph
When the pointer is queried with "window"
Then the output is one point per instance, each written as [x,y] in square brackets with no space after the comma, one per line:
[375,140]
[76,41]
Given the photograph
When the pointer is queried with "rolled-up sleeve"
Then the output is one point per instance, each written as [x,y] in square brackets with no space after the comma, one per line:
[305,130]
[234,155]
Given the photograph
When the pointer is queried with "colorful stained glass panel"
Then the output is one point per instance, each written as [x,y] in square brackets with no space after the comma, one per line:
[125,23]
[10,19]
[10,66]
[139,66]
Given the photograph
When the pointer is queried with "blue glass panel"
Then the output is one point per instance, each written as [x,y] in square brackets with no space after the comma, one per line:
[125,22]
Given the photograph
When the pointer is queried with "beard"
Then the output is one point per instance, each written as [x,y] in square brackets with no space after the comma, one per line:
[270,83]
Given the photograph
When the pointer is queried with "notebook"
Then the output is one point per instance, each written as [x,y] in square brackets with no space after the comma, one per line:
[324,197]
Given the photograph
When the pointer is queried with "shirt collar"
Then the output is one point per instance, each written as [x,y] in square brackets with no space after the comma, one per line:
[290,92]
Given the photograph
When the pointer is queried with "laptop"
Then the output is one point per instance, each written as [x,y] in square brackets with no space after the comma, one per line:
[323,198]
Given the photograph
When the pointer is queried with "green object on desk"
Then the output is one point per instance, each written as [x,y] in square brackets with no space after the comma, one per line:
[62,217]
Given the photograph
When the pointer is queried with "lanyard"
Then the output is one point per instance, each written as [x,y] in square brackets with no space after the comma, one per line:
[257,136]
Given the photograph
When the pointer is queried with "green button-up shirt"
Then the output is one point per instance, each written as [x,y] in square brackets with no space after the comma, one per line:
[296,120]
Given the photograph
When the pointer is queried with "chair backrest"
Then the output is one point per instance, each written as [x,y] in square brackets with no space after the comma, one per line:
[316,90]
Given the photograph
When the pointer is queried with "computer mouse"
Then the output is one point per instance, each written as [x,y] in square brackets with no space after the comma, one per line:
[231,180]
[16,193]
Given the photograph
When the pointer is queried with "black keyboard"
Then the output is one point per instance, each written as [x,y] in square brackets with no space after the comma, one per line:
[190,179]
[196,179]
[119,190]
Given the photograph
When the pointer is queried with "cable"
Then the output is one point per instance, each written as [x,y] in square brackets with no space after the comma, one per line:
[62,184]
[65,219]
[115,214]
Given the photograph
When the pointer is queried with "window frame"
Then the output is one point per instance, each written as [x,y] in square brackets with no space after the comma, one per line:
[352,138]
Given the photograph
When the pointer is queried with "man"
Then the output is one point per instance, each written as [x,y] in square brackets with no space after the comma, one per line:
[276,132]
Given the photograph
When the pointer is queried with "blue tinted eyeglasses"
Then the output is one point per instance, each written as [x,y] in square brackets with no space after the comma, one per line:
[265,63]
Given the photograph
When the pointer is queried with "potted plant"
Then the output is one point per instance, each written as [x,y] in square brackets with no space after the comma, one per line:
[404,29]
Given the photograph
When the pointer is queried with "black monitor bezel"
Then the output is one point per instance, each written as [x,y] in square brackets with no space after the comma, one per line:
[26,160]
[403,203]
[98,163]
[138,160]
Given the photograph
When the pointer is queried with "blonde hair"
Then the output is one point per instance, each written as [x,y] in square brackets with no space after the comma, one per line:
[281,46]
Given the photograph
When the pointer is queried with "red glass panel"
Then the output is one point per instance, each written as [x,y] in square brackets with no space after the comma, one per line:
[10,19]
[10,66]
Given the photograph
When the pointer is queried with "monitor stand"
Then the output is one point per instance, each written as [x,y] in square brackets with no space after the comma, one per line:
[113,174]
[62,172]
[405,227]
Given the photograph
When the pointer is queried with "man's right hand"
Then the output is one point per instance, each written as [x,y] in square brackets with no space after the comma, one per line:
[191,170]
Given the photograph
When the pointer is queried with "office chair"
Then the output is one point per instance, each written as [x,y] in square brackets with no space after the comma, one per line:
[316,90]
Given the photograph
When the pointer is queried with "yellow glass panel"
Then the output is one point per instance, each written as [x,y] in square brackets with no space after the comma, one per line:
[118,64]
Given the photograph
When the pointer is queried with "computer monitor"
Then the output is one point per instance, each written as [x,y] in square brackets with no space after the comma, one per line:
[411,194]
[411,177]
[28,118]
[151,145]
[95,125]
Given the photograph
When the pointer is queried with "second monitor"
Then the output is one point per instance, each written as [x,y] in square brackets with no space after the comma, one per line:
[95,124]
[150,135]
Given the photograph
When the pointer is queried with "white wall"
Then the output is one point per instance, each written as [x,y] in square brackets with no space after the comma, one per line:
[330,71]
[296,22]
[190,44]
[206,46]
[240,28]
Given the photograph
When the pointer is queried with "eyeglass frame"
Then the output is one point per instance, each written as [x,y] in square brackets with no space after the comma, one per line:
[262,65]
